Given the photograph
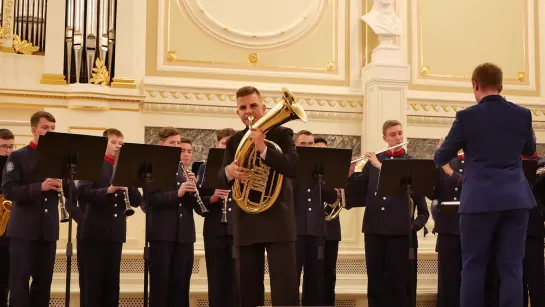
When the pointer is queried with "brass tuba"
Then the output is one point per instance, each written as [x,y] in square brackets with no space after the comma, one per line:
[5,211]
[260,191]
[333,210]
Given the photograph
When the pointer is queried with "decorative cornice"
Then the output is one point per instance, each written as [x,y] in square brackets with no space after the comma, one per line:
[447,121]
[70,96]
[211,97]
[221,110]
[435,107]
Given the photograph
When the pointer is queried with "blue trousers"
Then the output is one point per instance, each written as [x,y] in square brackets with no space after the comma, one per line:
[477,232]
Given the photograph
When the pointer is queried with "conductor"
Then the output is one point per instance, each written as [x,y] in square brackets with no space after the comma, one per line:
[496,197]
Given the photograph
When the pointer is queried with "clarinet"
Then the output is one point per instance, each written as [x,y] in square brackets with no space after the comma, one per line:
[224,210]
[197,196]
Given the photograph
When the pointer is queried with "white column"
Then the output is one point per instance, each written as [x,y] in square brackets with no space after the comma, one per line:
[7,24]
[54,45]
[126,49]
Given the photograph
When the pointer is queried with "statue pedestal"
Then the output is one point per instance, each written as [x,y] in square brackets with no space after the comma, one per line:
[385,82]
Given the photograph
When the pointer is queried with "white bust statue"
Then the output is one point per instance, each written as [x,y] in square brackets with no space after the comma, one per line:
[382,18]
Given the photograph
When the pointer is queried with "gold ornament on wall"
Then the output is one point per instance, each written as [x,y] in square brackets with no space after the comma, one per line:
[100,74]
[253,58]
[171,56]
[3,32]
[23,46]
[330,66]
[425,71]
[521,76]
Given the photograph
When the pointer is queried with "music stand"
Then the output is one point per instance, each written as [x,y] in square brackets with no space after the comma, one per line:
[148,167]
[530,168]
[214,162]
[408,176]
[450,206]
[3,160]
[70,156]
[322,167]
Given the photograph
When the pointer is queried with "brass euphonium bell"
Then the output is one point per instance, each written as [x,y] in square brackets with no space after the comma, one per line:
[5,212]
[64,213]
[333,210]
[257,194]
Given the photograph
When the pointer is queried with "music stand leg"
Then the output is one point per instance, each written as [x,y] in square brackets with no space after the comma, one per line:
[69,250]
[146,241]
[412,257]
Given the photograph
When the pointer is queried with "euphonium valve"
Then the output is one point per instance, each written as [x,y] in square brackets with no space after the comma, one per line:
[5,211]
[259,192]
[128,209]
[64,213]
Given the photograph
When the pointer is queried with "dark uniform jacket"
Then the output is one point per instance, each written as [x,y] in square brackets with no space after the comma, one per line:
[104,219]
[213,227]
[35,214]
[171,217]
[277,224]
[449,188]
[309,211]
[535,220]
[78,214]
[383,215]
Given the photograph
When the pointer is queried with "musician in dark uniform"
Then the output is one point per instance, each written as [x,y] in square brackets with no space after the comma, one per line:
[172,233]
[385,225]
[218,238]
[6,147]
[104,228]
[449,188]
[272,230]
[331,250]
[33,229]
[533,267]
[311,232]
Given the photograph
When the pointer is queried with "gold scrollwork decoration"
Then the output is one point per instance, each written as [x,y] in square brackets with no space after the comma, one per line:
[23,46]
[521,76]
[100,74]
[171,56]
[3,32]
[330,66]
[425,71]
[253,58]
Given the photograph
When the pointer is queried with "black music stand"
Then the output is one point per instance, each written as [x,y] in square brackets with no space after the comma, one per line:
[214,163]
[408,176]
[3,160]
[322,167]
[69,157]
[148,167]
[530,168]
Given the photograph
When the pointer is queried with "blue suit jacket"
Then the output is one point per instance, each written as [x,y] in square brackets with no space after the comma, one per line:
[493,134]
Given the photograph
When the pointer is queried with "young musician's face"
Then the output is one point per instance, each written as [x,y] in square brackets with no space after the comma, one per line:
[171,141]
[114,143]
[304,140]
[6,147]
[187,153]
[250,105]
[320,144]
[42,128]
[222,143]
[393,136]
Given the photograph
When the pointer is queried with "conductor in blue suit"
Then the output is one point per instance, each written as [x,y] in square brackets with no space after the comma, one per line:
[496,196]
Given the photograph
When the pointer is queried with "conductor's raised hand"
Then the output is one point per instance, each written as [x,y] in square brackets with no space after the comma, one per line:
[51,184]
[188,186]
[258,137]
[235,171]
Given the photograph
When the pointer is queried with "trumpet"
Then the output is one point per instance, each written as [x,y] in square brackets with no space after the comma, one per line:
[197,196]
[128,209]
[64,213]
[363,160]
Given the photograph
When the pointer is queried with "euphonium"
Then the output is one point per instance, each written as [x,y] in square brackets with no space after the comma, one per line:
[257,194]
[336,207]
[5,211]
[128,209]
[64,212]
